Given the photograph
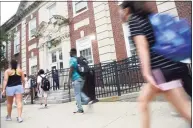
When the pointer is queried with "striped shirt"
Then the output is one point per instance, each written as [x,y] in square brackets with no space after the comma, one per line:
[141,26]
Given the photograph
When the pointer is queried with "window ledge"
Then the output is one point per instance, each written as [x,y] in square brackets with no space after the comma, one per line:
[31,38]
[76,14]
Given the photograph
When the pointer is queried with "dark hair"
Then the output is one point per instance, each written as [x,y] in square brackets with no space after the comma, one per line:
[25,75]
[41,71]
[137,7]
[73,51]
[14,64]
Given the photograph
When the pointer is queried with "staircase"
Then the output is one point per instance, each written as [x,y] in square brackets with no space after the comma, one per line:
[56,97]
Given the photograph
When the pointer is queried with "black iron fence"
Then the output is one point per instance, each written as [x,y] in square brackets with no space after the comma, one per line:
[111,79]
[118,77]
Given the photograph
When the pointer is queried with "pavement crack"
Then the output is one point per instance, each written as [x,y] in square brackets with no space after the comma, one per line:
[112,121]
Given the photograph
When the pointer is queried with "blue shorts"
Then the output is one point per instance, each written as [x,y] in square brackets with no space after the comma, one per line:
[11,91]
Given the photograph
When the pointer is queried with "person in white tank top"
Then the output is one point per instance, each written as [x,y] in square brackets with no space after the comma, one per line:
[27,88]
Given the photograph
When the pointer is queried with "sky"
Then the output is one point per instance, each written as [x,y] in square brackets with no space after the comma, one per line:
[8,9]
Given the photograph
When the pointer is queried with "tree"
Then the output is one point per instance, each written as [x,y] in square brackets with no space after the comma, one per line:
[3,41]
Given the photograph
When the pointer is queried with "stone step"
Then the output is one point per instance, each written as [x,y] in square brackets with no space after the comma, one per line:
[60,90]
[57,101]
[51,97]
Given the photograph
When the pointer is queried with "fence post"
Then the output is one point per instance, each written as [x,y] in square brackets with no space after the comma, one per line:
[69,93]
[101,73]
[117,79]
[32,90]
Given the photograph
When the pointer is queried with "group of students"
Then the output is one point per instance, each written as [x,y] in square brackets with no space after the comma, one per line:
[161,74]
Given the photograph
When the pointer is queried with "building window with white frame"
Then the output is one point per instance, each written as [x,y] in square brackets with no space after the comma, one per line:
[16,42]
[60,55]
[52,10]
[32,28]
[130,47]
[80,6]
[54,57]
[34,70]
[86,53]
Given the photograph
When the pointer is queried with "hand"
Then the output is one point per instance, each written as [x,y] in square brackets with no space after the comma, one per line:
[149,78]
[3,92]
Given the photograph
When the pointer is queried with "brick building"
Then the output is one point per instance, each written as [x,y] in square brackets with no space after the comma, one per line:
[44,32]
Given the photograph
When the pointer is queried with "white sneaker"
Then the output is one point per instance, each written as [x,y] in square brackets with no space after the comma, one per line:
[7,118]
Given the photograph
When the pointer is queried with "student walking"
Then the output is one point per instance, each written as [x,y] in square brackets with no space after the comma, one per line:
[27,89]
[162,75]
[43,87]
[77,82]
[12,86]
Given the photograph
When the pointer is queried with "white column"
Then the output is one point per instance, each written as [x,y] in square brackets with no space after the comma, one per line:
[104,32]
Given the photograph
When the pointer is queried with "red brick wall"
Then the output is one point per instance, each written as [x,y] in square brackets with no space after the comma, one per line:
[185,10]
[32,41]
[118,34]
[88,29]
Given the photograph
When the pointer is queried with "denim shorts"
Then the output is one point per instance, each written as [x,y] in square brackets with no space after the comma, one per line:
[11,91]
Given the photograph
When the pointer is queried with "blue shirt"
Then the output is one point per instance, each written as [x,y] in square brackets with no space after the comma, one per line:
[74,64]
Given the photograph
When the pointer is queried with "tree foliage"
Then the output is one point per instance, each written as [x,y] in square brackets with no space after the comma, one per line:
[3,42]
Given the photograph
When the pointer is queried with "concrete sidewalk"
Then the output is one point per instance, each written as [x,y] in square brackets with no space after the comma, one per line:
[100,115]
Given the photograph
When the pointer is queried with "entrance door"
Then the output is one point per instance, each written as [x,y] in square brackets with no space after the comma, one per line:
[57,59]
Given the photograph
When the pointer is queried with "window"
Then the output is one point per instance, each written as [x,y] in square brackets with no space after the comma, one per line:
[54,57]
[84,48]
[86,53]
[61,65]
[80,6]
[60,55]
[32,28]
[130,47]
[34,70]
[52,10]
[16,43]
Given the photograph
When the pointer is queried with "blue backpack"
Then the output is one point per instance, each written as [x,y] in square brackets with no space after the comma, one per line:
[173,38]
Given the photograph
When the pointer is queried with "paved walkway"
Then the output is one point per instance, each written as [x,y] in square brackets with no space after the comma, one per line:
[100,115]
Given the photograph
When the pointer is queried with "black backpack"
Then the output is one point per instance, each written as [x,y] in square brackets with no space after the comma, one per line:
[83,67]
[45,83]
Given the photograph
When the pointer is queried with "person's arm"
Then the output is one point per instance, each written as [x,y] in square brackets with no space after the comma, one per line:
[70,75]
[23,79]
[144,56]
[72,63]
[38,81]
[6,76]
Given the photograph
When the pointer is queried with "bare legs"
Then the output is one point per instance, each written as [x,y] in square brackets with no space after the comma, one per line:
[19,104]
[181,103]
[175,96]
[147,94]
[9,105]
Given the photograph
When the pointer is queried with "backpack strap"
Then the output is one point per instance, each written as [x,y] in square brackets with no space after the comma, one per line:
[42,76]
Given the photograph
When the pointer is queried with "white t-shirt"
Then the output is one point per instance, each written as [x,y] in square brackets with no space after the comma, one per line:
[39,79]
[27,83]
